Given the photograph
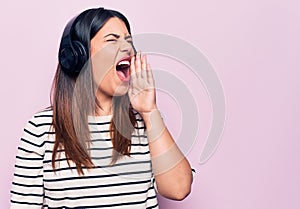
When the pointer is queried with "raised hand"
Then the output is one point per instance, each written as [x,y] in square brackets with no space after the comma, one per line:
[172,171]
[142,89]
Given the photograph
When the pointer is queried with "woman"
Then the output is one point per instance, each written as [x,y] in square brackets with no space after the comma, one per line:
[102,143]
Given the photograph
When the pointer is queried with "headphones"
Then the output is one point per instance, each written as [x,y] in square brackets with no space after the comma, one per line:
[73,54]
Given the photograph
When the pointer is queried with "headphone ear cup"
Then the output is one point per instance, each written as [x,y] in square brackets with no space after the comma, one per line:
[72,59]
[67,59]
[80,54]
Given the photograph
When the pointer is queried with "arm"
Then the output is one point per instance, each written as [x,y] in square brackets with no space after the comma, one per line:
[173,174]
[27,186]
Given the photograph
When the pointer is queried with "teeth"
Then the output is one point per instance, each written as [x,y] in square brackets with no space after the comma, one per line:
[125,62]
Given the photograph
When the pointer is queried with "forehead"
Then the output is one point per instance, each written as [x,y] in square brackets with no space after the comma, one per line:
[113,25]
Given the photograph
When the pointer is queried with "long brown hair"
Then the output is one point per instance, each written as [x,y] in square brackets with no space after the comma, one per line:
[73,99]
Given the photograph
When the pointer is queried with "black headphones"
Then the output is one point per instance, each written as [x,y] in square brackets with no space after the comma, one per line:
[72,53]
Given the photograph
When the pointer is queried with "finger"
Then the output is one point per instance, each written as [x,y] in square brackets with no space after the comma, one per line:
[130,91]
[138,64]
[132,68]
[150,77]
[144,66]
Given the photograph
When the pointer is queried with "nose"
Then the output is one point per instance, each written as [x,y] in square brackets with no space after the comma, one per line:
[126,47]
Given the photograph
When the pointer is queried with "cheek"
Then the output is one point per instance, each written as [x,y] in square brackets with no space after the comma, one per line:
[102,62]
[103,68]
[106,83]
[111,85]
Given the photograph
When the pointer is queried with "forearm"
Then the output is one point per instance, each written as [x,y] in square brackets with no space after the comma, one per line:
[173,174]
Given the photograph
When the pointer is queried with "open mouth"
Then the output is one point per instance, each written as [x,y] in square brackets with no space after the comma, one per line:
[123,69]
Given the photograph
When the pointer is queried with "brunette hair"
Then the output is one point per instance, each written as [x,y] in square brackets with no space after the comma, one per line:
[73,99]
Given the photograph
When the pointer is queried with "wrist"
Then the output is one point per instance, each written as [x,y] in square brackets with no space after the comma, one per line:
[154,124]
[146,115]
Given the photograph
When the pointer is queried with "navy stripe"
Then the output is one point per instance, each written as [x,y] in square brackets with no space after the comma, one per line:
[39,135]
[154,206]
[140,153]
[105,140]
[29,142]
[101,158]
[29,158]
[25,176]
[103,123]
[22,194]
[142,145]
[43,116]
[143,136]
[102,131]
[97,176]
[26,203]
[28,151]
[28,167]
[50,151]
[101,148]
[103,166]
[98,196]
[103,206]
[27,185]
[41,124]
[93,158]
[99,186]
[142,127]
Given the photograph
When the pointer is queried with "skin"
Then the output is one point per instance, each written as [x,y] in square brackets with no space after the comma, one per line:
[175,179]
[106,50]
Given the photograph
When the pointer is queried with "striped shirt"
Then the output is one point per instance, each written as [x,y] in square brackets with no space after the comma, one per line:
[128,184]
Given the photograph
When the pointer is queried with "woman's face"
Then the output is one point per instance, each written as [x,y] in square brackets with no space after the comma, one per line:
[111,51]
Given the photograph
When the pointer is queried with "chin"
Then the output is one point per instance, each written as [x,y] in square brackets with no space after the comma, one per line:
[121,90]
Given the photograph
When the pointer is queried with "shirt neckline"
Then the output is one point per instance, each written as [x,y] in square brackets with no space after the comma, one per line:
[102,118]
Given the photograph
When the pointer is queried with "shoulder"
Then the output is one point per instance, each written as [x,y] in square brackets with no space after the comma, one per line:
[42,116]
[36,132]
[40,123]
[44,113]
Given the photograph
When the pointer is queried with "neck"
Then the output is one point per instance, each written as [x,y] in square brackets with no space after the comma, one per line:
[105,104]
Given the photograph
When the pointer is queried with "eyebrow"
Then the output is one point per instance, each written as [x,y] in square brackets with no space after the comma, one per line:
[117,36]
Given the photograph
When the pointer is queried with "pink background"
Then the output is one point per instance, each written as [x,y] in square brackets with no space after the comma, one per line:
[254,47]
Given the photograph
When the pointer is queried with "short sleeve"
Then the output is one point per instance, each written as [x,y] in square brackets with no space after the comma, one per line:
[27,186]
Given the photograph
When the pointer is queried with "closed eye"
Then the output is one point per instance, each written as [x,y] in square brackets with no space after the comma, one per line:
[111,40]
